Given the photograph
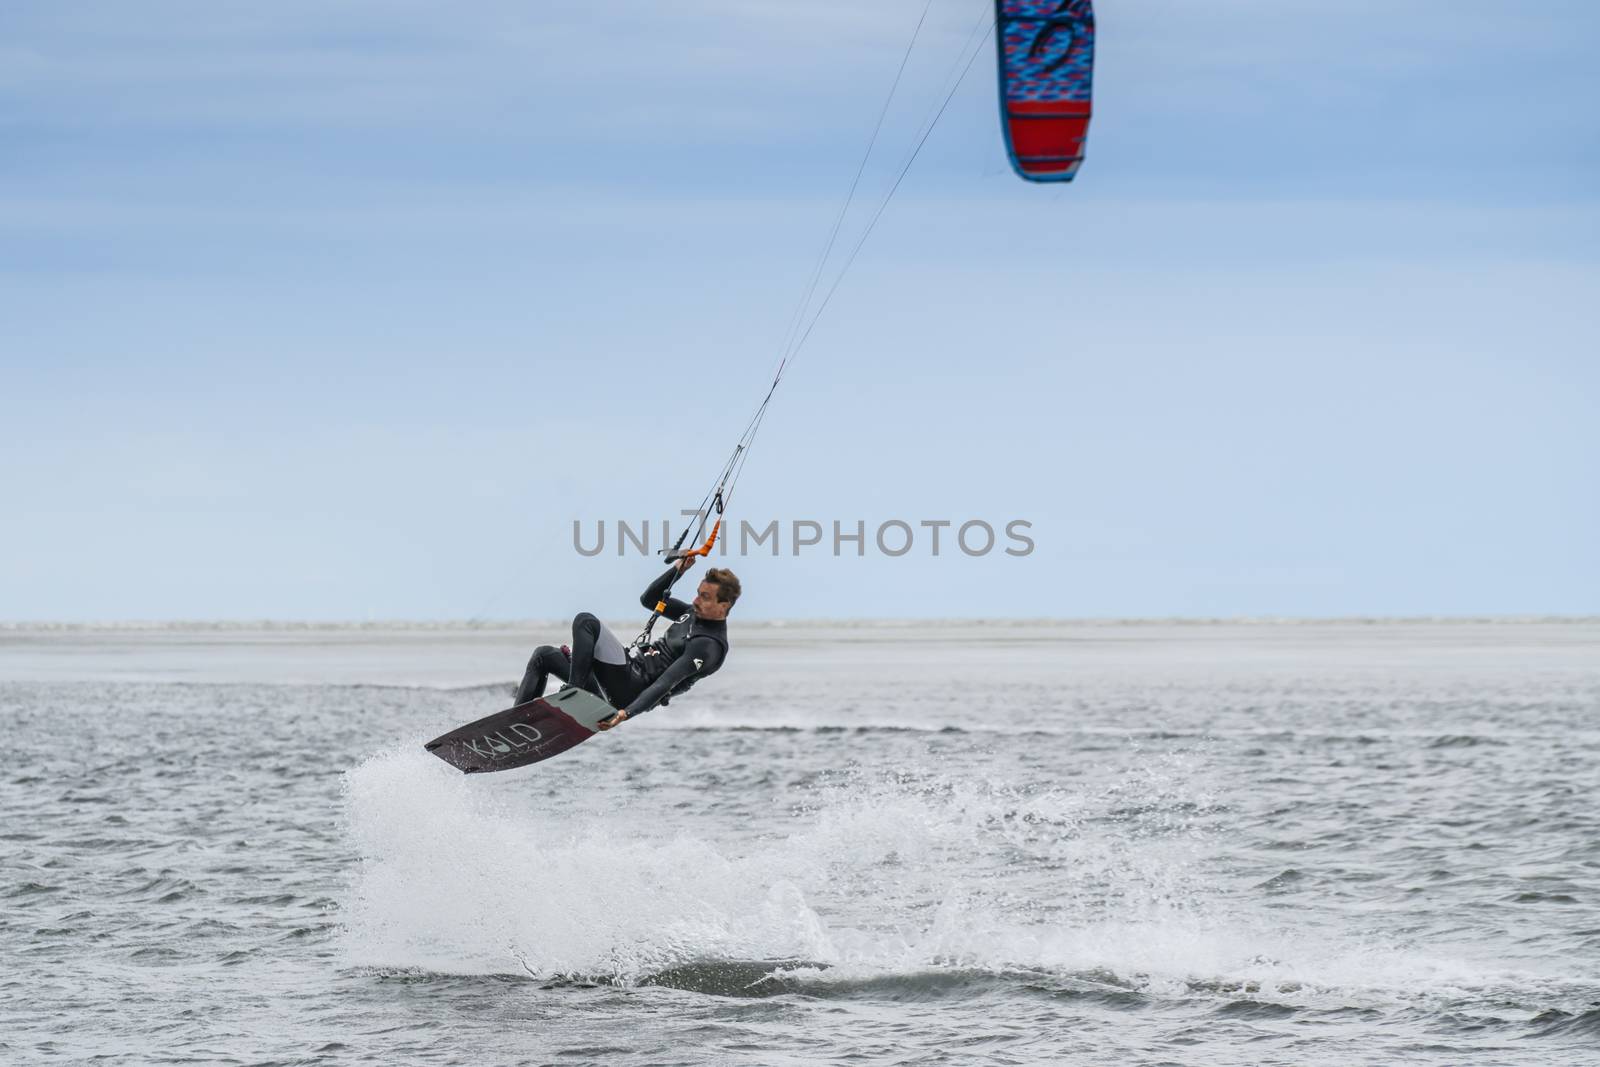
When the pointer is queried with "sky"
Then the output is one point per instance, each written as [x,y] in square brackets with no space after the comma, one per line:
[350,311]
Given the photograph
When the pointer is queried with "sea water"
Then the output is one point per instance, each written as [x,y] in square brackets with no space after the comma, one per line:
[1001,843]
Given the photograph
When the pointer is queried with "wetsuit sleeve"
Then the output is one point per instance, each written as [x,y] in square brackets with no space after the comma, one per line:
[701,654]
[658,592]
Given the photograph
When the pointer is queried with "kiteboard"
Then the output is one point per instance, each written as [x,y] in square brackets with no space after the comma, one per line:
[527,733]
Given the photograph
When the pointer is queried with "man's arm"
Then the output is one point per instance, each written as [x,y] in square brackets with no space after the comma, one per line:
[657,593]
[699,654]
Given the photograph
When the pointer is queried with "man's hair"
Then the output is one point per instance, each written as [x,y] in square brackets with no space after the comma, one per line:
[727,585]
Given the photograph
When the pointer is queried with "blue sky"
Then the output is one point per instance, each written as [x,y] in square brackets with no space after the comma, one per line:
[347,311]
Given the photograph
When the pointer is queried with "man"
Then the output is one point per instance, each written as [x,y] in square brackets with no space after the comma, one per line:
[694,646]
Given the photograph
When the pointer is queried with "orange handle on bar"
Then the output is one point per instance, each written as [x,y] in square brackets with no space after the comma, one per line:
[703,550]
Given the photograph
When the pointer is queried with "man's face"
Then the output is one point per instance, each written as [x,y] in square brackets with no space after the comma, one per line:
[705,602]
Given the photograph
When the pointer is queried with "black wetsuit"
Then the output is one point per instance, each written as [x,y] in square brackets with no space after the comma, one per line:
[690,649]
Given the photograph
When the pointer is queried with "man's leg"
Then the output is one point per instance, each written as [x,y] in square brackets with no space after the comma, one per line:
[622,682]
[547,660]
[592,645]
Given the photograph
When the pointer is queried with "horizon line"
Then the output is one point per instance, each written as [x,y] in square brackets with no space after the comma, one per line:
[338,625]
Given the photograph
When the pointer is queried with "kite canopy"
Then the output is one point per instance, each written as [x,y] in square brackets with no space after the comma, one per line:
[1046,77]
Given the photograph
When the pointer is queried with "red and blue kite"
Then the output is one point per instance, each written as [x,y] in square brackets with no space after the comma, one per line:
[1046,81]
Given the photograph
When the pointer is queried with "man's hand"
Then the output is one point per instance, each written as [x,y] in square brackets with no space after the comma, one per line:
[606,724]
[685,563]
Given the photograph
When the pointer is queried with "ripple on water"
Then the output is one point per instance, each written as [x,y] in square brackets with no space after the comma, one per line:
[1255,1009]
[1556,1023]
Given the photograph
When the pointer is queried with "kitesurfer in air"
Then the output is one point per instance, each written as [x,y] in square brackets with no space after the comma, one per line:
[636,680]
